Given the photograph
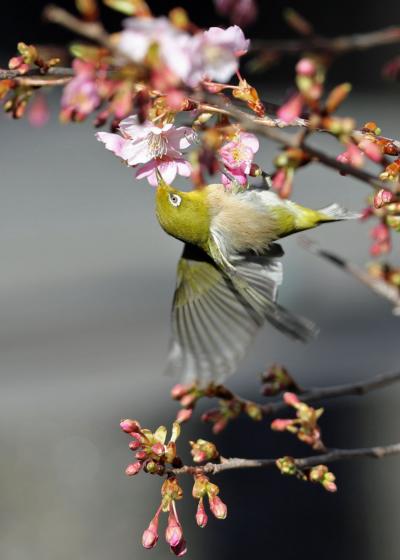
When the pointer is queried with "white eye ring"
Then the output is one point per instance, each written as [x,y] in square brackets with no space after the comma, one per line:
[174,199]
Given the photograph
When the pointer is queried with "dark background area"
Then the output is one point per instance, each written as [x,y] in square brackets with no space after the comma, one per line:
[85,290]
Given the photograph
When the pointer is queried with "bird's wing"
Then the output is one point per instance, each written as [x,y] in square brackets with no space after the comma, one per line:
[215,316]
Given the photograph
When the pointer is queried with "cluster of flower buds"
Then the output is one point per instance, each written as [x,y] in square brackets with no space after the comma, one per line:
[204,488]
[286,163]
[319,474]
[229,410]
[188,395]
[322,475]
[170,493]
[277,379]
[28,57]
[385,272]
[151,452]
[203,450]
[229,407]
[386,207]
[305,425]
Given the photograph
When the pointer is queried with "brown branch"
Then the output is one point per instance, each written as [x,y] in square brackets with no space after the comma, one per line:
[358,388]
[263,127]
[377,285]
[336,45]
[333,455]
[91,30]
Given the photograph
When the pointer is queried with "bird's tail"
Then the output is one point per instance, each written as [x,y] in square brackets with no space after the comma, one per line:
[334,213]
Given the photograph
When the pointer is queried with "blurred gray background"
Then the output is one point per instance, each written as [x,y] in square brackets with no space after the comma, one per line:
[86,283]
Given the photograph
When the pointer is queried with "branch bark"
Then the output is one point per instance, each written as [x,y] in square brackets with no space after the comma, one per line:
[333,455]
[335,45]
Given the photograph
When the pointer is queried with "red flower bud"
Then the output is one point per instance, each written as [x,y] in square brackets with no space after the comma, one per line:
[201,516]
[218,507]
[133,468]
[129,426]
[383,197]
[291,399]
[184,415]
[280,424]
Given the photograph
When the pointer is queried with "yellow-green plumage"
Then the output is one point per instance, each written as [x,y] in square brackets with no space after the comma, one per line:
[229,273]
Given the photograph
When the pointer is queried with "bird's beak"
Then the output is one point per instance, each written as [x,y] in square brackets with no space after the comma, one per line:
[160,180]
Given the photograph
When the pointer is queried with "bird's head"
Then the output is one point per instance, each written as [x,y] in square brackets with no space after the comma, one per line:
[183,215]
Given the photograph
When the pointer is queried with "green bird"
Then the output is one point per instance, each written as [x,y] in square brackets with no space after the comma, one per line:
[229,273]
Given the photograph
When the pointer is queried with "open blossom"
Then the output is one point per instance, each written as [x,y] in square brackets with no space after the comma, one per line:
[80,96]
[211,54]
[238,155]
[157,148]
[140,33]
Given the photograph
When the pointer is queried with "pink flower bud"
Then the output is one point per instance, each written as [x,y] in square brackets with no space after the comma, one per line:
[329,486]
[178,391]
[15,62]
[280,424]
[134,444]
[141,455]
[173,532]
[371,150]
[158,449]
[306,67]
[218,507]
[150,536]
[291,399]
[129,426]
[149,539]
[383,197]
[201,516]
[291,109]
[184,415]
[133,468]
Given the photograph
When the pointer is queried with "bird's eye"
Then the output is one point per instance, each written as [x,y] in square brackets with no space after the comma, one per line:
[175,199]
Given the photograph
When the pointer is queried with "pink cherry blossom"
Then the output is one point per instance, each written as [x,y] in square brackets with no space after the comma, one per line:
[140,33]
[238,155]
[80,96]
[212,54]
[157,148]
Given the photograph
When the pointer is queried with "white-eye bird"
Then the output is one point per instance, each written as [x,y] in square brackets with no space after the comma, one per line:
[229,272]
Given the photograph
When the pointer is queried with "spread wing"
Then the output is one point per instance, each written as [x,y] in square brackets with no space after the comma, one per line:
[215,316]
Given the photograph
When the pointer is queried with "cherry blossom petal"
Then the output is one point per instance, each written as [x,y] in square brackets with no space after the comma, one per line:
[136,152]
[231,38]
[113,142]
[250,140]
[181,138]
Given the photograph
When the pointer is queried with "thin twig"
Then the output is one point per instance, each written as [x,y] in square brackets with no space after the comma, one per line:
[377,452]
[377,285]
[91,30]
[321,393]
[258,125]
[335,45]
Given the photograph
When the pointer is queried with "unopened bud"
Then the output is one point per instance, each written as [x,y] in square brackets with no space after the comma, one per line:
[218,507]
[383,197]
[129,426]
[133,468]
[201,516]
